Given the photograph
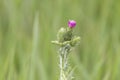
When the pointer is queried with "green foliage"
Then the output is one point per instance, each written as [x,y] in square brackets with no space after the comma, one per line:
[28,26]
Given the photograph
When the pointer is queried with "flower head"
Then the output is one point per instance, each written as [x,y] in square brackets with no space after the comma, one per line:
[71,23]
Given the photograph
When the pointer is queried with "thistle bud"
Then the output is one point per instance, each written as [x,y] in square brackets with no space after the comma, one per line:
[71,23]
[60,35]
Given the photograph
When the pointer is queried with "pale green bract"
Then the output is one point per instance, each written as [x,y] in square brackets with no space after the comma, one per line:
[65,36]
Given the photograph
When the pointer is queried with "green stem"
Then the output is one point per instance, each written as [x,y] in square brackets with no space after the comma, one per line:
[63,55]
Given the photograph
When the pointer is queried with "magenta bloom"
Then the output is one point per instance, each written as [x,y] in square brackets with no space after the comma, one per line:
[71,23]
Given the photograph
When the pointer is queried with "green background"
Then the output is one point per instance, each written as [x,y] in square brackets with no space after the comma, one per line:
[27,28]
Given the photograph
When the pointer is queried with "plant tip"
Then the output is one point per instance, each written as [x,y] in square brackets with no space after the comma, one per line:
[71,23]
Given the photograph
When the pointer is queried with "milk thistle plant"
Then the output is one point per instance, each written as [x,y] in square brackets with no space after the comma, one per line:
[66,40]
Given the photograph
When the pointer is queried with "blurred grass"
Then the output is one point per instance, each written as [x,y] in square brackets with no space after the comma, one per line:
[28,26]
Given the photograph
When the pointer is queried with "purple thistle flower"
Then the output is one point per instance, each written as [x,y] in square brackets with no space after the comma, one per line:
[71,23]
